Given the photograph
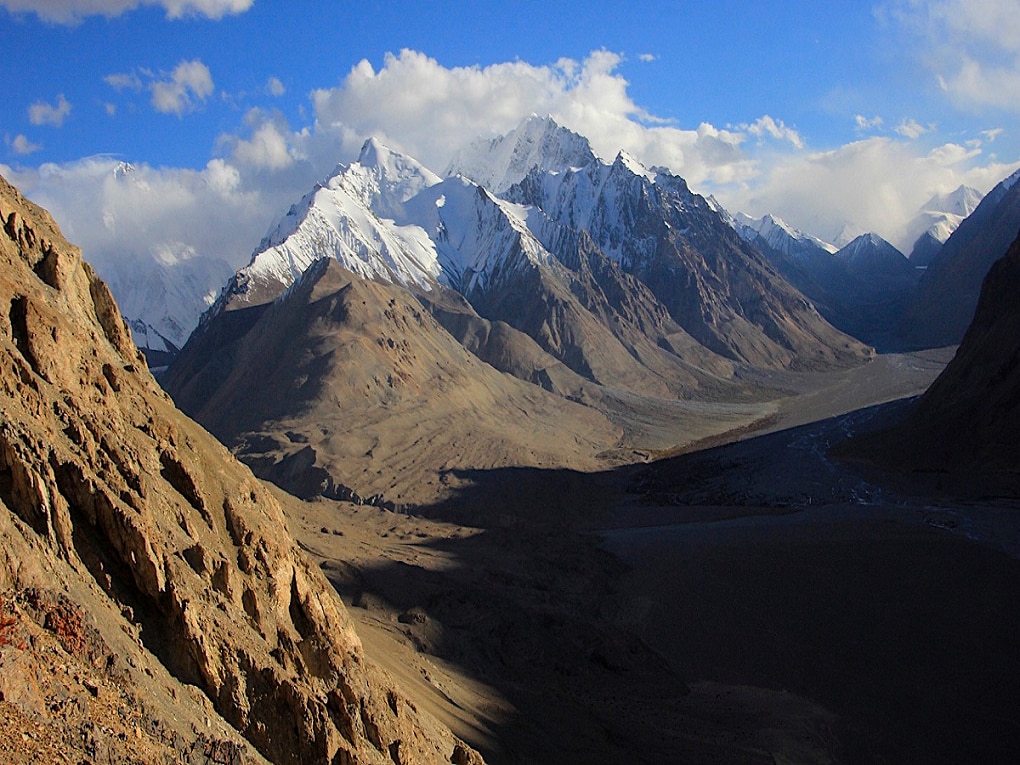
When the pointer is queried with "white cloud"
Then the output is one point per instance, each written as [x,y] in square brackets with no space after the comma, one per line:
[73,11]
[647,57]
[189,80]
[767,126]
[971,47]
[124,81]
[117,216]
[913,129]
[275,87]
[21,145]
[868,123]
[268,148]
[42,113]
[876,184]
[418,106]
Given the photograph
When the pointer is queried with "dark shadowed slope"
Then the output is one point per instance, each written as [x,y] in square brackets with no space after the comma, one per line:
[967,426]
[944,303]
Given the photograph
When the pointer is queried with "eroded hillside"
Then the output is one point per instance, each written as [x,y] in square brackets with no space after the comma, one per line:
[151,595]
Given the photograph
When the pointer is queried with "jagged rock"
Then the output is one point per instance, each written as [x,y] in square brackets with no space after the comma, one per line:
[155,538]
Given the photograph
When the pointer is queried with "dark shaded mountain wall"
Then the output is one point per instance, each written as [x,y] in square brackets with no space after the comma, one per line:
[944,303]
[965,430]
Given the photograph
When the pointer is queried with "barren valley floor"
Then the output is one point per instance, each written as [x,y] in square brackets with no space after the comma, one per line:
[751,602]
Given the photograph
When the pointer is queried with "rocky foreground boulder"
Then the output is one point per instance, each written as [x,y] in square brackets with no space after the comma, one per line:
[153,606]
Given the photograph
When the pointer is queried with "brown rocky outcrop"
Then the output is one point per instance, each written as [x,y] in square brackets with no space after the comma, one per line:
[167,553]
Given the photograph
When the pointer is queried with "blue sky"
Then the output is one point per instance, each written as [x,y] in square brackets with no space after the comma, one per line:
[827,114]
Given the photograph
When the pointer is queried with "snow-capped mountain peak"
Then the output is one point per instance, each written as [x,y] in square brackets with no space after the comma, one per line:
[538,142]
[869,246]
[631,163]
[384,178]
[962,202]
[477,235]
[937,219]
[779,234]
[357,217]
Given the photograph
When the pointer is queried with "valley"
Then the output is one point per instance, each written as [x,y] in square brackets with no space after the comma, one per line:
[755,601]
[576,467]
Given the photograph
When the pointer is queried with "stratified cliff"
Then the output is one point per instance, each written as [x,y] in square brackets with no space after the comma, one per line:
[140,557]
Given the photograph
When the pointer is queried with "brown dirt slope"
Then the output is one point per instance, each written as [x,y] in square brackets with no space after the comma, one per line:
[348,382]
[149,583]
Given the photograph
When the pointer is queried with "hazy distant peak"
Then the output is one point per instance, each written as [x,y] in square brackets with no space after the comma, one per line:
[870,247]
[536,143]
[962,201]
[779,234]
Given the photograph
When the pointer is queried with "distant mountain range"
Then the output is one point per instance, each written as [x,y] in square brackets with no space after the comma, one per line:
[592,282]
[859,288]
[588,281]
[361,207]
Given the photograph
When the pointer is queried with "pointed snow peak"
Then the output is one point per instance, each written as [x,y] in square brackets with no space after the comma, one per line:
[623,159]
[938,218]
[868,244]
[372,152]
[779,234]
[962,202]
[382,179]
[123,169]
[389,165]
[537,142]
[870,239]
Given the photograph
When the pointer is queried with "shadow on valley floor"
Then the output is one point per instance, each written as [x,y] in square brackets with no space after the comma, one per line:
[750,603]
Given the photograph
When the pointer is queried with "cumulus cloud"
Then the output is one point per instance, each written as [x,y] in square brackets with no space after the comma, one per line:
[22,146]
[124,81]
[189,81]
[267,148]
[767,126]
[971,47]
[876,184]
[132,220]
[275,87]
[418,106]
[42,113]
[73,11]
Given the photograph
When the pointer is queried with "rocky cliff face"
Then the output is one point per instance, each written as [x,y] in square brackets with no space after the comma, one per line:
[160,563]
